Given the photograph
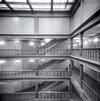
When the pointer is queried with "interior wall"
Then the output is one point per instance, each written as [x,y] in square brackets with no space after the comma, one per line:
[86,9]
[34,25]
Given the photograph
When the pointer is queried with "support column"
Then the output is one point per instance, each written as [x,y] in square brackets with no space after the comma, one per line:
[36,91]
[81,42]
[81,74]
[81,66]
[71,46]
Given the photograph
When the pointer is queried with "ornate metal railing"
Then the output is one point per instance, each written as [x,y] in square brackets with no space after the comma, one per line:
[39,52]
[37,96]
[88,53]
[87,89]
[35,74]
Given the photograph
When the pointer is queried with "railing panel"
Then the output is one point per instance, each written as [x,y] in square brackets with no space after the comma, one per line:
[49,52]
[33,74]
[88,53]
[30,96]
[88,90]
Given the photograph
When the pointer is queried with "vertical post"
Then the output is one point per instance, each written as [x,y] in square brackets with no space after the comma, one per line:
[81,74]
[71,46]
[36,91]
[81,43]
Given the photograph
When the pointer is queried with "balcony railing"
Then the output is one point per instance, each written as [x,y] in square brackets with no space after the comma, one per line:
[18,52]
[87,89]
[37,96]
[88,53]
[34,74]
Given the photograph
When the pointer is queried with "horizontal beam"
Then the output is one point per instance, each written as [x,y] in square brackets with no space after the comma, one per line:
[36,57]
[35,79]
[90,62]
[22,36]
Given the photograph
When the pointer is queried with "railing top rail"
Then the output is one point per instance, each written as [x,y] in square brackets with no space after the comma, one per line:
[36,49]
[94,92]
[38,70]
[18,93]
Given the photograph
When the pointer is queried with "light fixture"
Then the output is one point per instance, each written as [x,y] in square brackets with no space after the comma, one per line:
[85,42]
[17,61]
[31,60]
[31,43]
[16,19]
[2,42]
[77,40]
[75,45]
[89,40]
[42,44]
[47,40]
[16,41]
[95,40]
[43,60]
[2,61]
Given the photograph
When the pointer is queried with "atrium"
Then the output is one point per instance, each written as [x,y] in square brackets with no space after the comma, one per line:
[50,50]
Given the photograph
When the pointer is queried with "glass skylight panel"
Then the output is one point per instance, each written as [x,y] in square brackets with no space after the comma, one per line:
[59,6]
[60,1]
[70,0]
[68,7]
[41,7]
[40,1]
[16,0]
[3,7]
[20,7]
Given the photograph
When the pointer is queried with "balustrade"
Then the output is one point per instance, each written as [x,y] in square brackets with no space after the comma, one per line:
[43,52]
[88,53]
[37,96]
[33,74]
[87,89]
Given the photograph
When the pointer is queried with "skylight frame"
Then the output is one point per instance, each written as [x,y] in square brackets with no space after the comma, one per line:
[25,1]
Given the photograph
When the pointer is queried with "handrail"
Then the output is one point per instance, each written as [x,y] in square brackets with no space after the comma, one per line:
[93,92]
[34,74]
[38,95]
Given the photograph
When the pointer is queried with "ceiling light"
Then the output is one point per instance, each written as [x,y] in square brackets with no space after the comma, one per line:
[17,61]
[89,40]
[43,60]
[2,61]
[2,42]
[68,7]
[47,40]
[77,40]
[31,43]
[16,41]
[31,60]
[42,44]
[95,40]
[75,45]
[85,42]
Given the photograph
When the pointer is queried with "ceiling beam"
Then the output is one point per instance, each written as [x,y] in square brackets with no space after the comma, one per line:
[51,6]
[31,36]
[29,5]
[7,4]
